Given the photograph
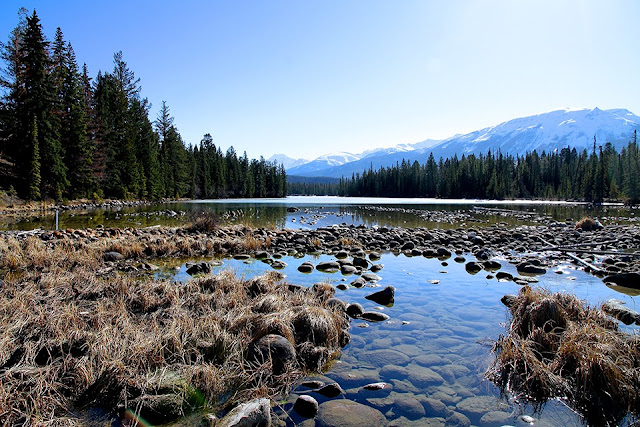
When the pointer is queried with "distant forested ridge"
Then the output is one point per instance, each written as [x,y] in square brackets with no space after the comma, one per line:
[66,135]
[565,174]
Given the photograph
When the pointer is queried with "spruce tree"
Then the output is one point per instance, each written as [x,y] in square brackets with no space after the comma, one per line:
[34,171]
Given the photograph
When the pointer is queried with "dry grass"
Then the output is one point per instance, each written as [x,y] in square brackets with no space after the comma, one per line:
[556,347]
[203,221]
[587,224]
[71,340]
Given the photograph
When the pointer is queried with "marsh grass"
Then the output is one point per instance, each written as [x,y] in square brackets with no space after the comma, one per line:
[557,347]
[70,339]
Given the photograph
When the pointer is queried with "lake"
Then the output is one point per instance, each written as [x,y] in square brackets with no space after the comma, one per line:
[436,346]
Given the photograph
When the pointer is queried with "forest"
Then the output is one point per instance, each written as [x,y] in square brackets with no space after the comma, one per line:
[566,174]
[66,135]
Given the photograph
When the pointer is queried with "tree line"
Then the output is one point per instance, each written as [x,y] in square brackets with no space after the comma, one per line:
[566,174]
[64,134]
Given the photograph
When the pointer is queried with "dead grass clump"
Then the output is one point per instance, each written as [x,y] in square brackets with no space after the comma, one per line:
[70,340]
[588,224]
[203,221]
[557,347]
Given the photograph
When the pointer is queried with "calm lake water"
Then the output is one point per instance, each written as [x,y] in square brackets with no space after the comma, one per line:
[314,212]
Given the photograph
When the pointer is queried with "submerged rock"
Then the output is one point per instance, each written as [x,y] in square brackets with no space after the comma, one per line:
[254,413]
[347,413]
[628,280]
[374,316]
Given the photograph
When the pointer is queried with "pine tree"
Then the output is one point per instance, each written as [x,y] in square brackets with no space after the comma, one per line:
[34,171]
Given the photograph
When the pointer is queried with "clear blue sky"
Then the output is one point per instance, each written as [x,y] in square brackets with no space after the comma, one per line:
[310,77]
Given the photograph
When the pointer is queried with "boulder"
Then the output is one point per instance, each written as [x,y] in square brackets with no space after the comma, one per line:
[473,267]
[355,310]
[256,413]
[199,268]
[529,268]
[624,314]
[328,267]
[305,267]
[274,347]
[628,280]
[306,406]
[374,316]
[330,390]
[383,297]
[112,256]
[347,413]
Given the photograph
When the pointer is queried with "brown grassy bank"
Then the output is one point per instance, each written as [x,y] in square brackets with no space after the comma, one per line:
[557,347]
[71,339]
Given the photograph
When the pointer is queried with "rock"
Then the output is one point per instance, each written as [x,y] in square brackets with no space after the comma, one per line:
[483,254]
[359,283]
[112,256]
[491,265]
[528,268]
[199,268]
[475,407]
[355,310]
[336,303]
[330,390]
[306,406]
[495,419]
[423,377]
[342,287]
[274,347]
[628,280]
[342,254]
[392,372]
[251,414]
[374,316]
[347,413]
[376,267]
[459,259]
[408,406]
[383,297]
[443,253]
[473,267]
[509,300]
[624,314]
[348,269]
[408,246]
[503,275]
[241,257]
[305,267]
[374,256]
[375,386]
[386,357]
[457,419]
[434,407]
[360,262]
[312,384]
[371,277]
[158,409]
[260,255]
[278,265]
[328,267]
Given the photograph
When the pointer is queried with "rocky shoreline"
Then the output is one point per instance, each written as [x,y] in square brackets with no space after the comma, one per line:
[534,250]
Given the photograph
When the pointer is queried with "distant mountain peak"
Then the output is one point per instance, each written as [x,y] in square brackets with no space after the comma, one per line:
[548,131]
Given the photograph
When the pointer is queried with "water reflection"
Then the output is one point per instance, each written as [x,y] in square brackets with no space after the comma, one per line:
[312,212]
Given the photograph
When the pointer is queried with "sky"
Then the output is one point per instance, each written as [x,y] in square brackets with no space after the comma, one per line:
[306,78]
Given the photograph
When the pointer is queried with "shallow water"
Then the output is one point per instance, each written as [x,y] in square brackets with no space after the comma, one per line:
[446,328]
[319,211]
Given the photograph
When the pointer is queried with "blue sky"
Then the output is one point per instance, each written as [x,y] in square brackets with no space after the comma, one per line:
[310,77]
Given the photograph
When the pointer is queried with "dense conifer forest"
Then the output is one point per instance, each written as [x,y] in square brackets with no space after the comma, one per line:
[565,174]
[64,134]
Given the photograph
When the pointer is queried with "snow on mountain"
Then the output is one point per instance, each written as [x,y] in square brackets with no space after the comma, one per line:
[546,132]
[323,162]
[287,161]
[541,132]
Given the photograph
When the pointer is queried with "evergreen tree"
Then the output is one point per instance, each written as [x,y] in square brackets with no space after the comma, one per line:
[34,170]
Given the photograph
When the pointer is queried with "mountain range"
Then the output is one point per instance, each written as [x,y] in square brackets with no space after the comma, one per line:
[542,132]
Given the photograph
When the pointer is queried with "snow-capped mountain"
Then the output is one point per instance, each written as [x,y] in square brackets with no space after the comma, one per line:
[323,162]
[546,132]
[542,132]
[287,161]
